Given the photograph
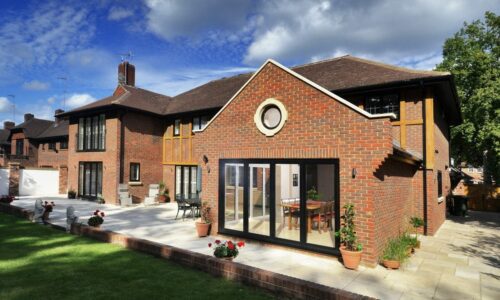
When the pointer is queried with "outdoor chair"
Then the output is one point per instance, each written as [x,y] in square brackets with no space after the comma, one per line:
[195,203]
[124,195]
[182,204]
[324,216]
[154,190]
[290,212]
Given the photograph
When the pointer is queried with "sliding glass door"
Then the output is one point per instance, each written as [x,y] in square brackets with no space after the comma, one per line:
[90,179]
[285,201]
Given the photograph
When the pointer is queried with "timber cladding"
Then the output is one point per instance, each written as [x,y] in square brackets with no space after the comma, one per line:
[318,127]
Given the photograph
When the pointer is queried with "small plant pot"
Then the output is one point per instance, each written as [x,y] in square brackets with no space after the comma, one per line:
[96,227]
[71,195]
[351,259]
[230,258]
[46,216]
[162,198]
[417,246]
[202,228]
[391,264]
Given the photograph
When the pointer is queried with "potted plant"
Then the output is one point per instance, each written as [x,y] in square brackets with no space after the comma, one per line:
[48,208]
[313,194]
[351,250]
[416,222]
[163,194]
[100,199]
[7,199]
[96,219]
[226,250]
[203,224]
[410,242]
[71,194]
[394,253]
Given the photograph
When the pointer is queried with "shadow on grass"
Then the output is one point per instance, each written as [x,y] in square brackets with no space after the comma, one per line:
[39,262]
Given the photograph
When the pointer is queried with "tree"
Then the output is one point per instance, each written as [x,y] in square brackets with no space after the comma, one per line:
[472,55]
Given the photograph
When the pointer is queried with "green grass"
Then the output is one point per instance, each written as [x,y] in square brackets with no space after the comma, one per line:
[38,262]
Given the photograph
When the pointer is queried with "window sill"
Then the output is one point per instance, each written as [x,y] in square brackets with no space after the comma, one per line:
[135,183]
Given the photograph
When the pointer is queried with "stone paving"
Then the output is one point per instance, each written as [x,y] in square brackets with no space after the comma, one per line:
[461,262]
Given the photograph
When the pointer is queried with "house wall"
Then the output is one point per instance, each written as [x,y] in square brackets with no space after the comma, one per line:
[30,151]
[143,144]
[52,158]
[317,127]
[110,158]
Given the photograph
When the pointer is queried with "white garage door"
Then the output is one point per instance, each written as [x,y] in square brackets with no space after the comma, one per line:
[4,181]
[38,182]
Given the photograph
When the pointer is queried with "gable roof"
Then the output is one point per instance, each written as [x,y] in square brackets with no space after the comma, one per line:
[341,73]
[55,130]
[33,127]
[130,97]
[310,83]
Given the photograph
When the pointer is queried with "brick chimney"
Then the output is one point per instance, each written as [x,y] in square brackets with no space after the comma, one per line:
[8,125]
[126,73]
[28,117]
[58,119]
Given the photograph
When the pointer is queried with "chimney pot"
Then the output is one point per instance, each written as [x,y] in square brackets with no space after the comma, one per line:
[126,73]
[28,117]
[58,119]
[8,125]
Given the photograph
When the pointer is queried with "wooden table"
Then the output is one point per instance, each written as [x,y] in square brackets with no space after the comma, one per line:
[311,206]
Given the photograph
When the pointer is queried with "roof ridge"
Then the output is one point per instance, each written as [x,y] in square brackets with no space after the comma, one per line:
[320,61]
[393,67]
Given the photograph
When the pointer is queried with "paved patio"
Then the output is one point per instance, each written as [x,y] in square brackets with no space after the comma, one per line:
[461,262]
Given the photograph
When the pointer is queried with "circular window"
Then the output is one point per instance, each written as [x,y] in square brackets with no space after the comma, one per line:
[271,116]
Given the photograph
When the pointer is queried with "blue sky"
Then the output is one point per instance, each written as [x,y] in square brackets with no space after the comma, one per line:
[178,45]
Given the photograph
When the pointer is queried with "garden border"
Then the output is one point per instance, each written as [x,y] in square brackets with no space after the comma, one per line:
[281,285]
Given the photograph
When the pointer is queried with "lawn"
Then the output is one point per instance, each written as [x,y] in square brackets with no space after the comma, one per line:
[38,262]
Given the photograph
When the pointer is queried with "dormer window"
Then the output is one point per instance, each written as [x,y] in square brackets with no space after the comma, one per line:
[381,104]
[177,127]
[199,123]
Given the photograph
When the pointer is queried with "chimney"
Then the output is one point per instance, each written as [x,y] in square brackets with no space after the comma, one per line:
[28,117]
[126,73]
[58,119]
[8,125]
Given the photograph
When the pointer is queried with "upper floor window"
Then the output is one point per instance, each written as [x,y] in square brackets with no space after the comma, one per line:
[63,144]
[177,127]
[199,122]
[135,172]
[92,133]
[19,147]
[52,146]
[382,104]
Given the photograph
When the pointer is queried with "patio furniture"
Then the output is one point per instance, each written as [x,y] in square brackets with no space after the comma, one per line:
[154,190]
[124,195]
[324,216]
[195,202]
[290,212]
[311,206]
[182,204]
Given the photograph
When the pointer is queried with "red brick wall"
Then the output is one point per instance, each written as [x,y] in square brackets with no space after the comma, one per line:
[30,150]
[110,159]
[52,158]
[143,144]
[317,127]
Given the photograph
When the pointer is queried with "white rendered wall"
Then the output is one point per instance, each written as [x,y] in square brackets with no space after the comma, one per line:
[4,181]
[38,182]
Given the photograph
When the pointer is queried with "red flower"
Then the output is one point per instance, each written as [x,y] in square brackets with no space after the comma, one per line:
[97,210]
[241,244]
[102,214]
[95,213]
[46,202]
[217,242]
[209,244]
[230,245]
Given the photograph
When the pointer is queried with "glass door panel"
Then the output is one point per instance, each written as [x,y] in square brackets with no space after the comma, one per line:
[233,196]
[178,178]
[90,179]
[193,191]
[320,183]
[259,198]
[287,201]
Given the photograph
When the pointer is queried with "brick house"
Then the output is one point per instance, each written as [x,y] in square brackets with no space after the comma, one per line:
[5,143]
[278,152]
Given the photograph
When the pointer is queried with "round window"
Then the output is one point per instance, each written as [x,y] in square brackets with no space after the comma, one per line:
[271,116]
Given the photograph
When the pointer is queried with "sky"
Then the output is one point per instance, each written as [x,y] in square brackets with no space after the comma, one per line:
[64,54]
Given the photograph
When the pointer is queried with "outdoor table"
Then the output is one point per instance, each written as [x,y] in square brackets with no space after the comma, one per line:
[311,206]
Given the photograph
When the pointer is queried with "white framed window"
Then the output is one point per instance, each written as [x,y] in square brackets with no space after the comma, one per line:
[135,172]
[199,123]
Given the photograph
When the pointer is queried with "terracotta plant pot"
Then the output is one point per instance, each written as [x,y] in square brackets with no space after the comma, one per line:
[418,245]
[162,198]
[351,258]
[202,228]
[391,264]
[230,258]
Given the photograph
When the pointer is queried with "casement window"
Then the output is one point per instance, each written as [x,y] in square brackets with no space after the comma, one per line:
[92,133]
[440,183]
[177,127]
[200,122]
[135,172]
[63,144]
[52,146]
[20,147]
[381,104]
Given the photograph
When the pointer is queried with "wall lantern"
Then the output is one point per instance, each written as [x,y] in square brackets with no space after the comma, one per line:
[205,159]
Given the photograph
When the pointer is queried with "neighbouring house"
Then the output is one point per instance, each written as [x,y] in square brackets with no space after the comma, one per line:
[278,152]
[5,143]
[38,143]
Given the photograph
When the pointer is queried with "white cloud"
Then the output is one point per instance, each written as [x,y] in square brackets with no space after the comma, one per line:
[5,105]
[36,85]
[51,100]
[77,100]
[119,13]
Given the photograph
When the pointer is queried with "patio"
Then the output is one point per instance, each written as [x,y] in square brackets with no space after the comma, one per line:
[460,262]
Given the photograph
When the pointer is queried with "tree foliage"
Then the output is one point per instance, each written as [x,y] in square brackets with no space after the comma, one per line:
[472,55]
